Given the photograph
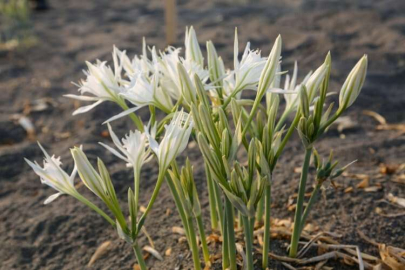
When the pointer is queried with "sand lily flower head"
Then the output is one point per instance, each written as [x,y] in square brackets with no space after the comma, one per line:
[174,141]
[132,148]
[138,65]
[246,73]
[101,83]
[173,79]
[53,175]
[144,91]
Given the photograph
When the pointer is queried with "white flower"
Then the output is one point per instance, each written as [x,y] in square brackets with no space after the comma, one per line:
[143,91]
[171,80]
[174,141]
[52,175]
[168,66]
[353,84]
[246,73]
[101,83]
[138,65]
[133,148]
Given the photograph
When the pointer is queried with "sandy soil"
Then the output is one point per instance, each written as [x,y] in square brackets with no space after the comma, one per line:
[65,234]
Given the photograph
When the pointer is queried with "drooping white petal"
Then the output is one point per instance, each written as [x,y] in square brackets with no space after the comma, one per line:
[115,152]
[87,108]
[83,98]
[122,114]
[52,198]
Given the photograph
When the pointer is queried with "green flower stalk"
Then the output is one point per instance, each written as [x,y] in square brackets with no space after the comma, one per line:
[312,125]
[173,143]
[189,204]
[324,171]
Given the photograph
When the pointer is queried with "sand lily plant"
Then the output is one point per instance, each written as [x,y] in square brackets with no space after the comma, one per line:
[240,139]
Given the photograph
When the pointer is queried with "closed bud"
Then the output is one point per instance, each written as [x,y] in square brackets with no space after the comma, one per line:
[268,74]
[215,64]
[353,84]
[187,88]
[88,174]
[304,101]
[314,82]
[317,159]
[133,211]
[201,92]
[193,51]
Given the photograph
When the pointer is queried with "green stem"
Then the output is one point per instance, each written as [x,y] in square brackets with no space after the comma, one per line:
[179,206]
[260,209]
[193,244]
[138,123]
[240,221]
[282,119]
[151,201]
[225,245]
[252,114]
[152,110]
[329,122]
[248,242]
[229,98]
[266,236]
[204,244]
[95,208]
[286,138]
[137,178]
[211,198]
[230,230]
[252,227]
[312,200]
[300,203]
[219,206]
[139,257]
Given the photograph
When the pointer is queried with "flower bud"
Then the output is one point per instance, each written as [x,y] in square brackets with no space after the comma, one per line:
[90,177]
[304,101]
[193,51]
[353,84]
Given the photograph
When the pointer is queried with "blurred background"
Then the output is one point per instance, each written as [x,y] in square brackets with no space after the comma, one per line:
[43,47]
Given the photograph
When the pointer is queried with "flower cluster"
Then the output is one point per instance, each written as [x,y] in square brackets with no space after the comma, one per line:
[190,97]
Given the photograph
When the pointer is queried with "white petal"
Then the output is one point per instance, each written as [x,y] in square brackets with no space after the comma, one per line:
[153,144]
[52,198]
[115,152]
[87,108]
[115,139]
[73,175]
[84,98]
[124,113]
[45,153]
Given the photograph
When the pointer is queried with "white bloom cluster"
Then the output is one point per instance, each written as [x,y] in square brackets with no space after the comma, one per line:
[194,98]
